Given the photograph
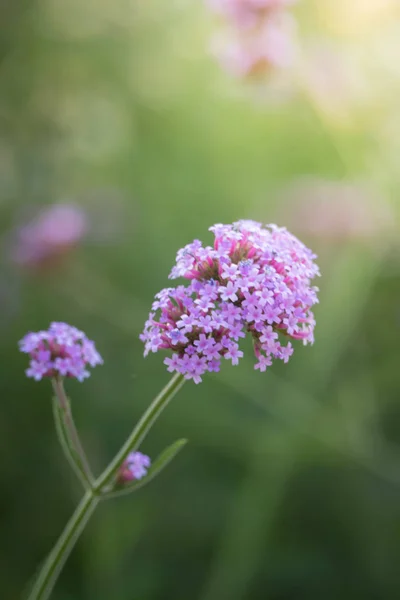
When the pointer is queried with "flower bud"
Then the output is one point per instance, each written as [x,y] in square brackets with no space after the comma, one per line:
[133,468]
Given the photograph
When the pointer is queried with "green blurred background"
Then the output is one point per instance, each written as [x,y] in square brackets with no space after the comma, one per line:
[290,486]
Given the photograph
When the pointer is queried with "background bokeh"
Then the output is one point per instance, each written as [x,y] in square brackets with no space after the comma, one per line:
[290,486]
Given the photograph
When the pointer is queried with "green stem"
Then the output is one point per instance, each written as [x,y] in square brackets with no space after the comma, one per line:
[69,451]
[71,429]
[56,560]
[65,543]
[141,429]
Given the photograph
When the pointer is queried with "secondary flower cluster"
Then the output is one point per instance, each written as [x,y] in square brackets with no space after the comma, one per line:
[254,280]
[134,467]
[62,350]
[259,35]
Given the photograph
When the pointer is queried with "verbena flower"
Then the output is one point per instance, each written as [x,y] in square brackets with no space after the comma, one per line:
[246,52]
[54,231]
[259,36]
[248,13]
[62,350]
[337,211]
[134,467]
[254,280]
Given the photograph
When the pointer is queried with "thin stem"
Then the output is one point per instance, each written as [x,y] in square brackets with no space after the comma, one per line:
[71,429]
[65,543]
[141,429]
[56,560]
[70,453]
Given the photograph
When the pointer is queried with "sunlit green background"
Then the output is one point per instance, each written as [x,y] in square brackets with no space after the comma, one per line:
[290,486]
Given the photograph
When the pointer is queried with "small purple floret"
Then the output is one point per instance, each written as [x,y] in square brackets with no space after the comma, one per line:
[254,280]
[62,350]
[134,467]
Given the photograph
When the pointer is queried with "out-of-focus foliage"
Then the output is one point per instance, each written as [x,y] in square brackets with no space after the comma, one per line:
[290,486]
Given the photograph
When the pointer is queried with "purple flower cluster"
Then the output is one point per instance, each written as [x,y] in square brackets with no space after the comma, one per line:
[134,467]
[62,350]
[254,280]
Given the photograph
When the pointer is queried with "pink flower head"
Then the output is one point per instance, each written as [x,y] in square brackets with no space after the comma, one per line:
[248,13]
[54,231]
[336,211]
[134,467]
[62,350]
[254,280]
[271,46]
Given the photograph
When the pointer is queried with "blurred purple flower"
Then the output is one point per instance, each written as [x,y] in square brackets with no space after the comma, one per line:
[259,37]
[253,280]
[62,350]
[334,211]
[57,229]
[248,13]
[134,467]
[271,46]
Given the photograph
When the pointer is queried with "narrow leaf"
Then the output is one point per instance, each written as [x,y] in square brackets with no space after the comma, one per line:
[159,464]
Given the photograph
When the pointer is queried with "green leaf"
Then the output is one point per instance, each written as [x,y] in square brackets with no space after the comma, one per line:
[159,464]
